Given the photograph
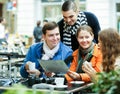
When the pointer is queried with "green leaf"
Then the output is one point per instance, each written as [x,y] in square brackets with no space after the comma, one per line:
[108,83]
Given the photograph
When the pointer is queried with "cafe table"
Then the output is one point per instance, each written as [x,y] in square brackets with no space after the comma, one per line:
[68,90]
[9,59]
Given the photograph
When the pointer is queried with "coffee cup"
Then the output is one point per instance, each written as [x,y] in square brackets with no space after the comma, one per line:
[31,66]
[59,81]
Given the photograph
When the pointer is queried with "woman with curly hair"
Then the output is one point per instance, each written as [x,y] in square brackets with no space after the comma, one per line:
[109,43]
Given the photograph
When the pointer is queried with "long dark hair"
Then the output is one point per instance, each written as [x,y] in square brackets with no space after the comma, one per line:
[110,46]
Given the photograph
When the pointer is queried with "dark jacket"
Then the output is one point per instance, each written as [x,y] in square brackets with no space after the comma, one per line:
[92,22]
[37,33]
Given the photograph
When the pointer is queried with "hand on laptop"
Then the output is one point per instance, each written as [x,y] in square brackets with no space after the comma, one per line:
[49,74]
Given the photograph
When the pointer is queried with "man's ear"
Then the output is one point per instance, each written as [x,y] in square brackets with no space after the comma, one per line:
[43,36]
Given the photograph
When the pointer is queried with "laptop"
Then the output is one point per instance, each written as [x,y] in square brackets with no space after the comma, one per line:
[56,66]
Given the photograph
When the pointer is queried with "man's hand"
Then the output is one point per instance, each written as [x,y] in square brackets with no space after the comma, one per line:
[35,71]
[49,74]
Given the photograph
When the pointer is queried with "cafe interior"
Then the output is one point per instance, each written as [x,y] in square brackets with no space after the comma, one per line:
[12,57]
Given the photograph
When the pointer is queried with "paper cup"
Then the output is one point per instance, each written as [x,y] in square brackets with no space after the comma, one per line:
[32,66]
[87,63]
[59,81]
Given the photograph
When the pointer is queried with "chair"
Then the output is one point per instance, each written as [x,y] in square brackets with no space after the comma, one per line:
[43,86]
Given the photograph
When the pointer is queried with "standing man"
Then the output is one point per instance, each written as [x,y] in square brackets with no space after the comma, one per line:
[45,21]
[2,30]
[37,33]
[50,49]
[72,19]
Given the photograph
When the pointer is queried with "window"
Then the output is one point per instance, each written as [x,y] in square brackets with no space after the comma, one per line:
[118,16]
[52,10]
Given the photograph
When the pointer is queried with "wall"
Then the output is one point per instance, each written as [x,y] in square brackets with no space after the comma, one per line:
[104,10]
[25,17]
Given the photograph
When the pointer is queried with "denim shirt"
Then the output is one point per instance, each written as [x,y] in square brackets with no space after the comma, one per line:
[35,54]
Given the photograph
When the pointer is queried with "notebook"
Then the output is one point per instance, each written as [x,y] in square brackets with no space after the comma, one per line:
[56,66]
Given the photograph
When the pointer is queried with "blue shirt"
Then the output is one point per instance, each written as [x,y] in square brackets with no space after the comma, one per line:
[35,54]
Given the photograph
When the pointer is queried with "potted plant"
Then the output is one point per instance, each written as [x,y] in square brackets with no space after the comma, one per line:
[108,83]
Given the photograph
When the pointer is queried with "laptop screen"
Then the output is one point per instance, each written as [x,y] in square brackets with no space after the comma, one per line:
[56,66]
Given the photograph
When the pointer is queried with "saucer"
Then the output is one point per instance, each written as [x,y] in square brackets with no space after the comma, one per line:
[77,83]
[60,86]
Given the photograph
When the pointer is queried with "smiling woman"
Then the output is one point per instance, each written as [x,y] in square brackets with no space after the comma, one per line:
[108,79]
[88,51]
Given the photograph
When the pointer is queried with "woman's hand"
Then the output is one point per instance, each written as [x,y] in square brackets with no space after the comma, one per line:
[87,68]
[74,75]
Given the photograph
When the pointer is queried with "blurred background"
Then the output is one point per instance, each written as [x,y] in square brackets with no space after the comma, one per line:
[21,15]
